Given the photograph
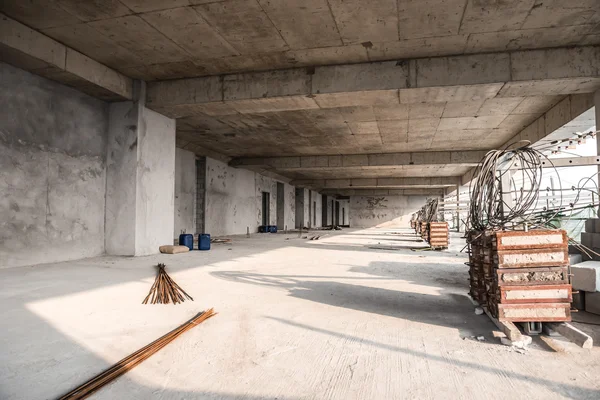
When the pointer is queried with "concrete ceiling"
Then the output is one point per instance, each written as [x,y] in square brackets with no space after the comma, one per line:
[470,125]
[364,106]
[158,39]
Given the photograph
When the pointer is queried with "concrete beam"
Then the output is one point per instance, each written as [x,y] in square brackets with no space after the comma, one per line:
[376,183]
[383,192]
[37,53]
[440,79]
[556,117]
[465,158]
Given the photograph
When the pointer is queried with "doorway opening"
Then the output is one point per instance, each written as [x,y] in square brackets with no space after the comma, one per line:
[280,206]
[266,200]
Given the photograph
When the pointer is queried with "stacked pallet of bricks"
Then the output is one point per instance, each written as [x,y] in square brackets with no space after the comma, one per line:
[477,275]
[424,229]
[521,276]
[437,235]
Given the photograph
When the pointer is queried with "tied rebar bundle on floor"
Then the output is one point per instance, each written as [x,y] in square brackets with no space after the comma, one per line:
[134,359]
[165,290]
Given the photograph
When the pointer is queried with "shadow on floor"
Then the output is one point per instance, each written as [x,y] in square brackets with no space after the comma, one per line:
[569,391]
[444,309]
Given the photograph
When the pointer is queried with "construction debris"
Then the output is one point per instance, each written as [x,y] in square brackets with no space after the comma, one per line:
[427,225]
[165,290]
[521,276]
[134,359]
[170,249]
[221,240]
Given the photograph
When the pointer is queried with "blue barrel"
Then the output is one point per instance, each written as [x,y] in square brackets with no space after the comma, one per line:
[187,239]
[204,241]
[273,228]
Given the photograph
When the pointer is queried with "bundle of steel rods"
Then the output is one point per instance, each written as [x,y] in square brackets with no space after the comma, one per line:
[134,359]
[165,290]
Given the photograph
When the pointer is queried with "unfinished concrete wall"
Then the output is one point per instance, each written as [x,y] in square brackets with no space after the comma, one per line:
[231,204]
[120,179]
[299,209]
[234,200]
[269,185]
[289,213]
[317,199]
[307,199]
[344,212]
[155,206]
[330,209]
[185,192]
[140,180]
[369,211]
[52,171]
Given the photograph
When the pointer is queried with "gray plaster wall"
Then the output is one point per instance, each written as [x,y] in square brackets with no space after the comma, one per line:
[52,171]
[317,221]
[185,192]
[234,199]
[140,201]
[370,211]
[231,204]
[155,199]
[344,212]
[269,185]
[121,178]
[289,213]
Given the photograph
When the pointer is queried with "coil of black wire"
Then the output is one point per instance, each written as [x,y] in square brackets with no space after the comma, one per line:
[488,207]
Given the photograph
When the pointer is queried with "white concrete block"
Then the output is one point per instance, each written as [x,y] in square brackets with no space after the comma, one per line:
[592,302]
[586,276]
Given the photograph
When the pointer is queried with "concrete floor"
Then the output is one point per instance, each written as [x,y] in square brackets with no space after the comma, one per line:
[297,319]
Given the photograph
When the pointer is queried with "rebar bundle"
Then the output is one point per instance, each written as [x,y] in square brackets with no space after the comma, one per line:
[165,290]
[134,359]
[488,209]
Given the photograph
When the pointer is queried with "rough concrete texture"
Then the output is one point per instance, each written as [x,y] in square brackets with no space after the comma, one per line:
[586,276]
[31,50]
[140,204]
[289,203]
[268,185]
[369,211]
[155,183]
[52,171]
[231,204]
[234,199]
[121,178]
[344,212]
[185,192]
[264,35]
[297,319]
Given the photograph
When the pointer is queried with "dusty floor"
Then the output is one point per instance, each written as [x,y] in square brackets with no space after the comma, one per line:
[299,319]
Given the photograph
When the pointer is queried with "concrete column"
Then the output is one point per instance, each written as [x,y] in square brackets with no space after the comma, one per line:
[140,178]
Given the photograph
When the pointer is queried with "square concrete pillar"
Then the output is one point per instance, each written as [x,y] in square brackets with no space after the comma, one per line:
[140,180]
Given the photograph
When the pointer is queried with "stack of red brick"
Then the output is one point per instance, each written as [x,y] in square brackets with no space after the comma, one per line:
[521,276]
[437,235]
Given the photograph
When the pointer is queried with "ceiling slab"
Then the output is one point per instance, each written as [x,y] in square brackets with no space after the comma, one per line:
[244,24]
[275,34]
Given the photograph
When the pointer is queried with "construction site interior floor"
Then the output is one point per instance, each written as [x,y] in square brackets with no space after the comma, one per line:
[356,314]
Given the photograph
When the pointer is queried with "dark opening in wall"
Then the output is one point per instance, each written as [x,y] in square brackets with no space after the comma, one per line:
[200,194]
[266,201]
